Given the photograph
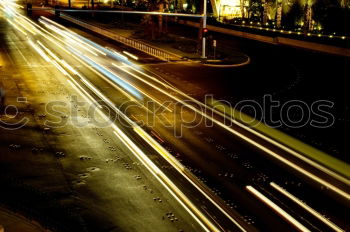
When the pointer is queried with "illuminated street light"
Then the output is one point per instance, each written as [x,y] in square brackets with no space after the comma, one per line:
[204,27]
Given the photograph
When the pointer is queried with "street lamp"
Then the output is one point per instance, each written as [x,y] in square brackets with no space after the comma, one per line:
[204,27]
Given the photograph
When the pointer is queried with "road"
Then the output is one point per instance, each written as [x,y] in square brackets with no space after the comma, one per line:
[72,178]
[226,172]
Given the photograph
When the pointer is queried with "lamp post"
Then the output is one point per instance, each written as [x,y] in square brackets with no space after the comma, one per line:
[204,26]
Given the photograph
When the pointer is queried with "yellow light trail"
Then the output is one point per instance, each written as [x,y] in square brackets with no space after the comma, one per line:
[246,138]
[16,27]
[162,83]
[27,27]
[181,169]
[73,35]
[147,138]
[268,151]
[174,191]
[177,194]
[41,52]
[167,183]
[161,151]
[277,209]
[307,208]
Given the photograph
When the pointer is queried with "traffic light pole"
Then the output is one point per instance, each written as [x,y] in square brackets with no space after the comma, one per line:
[204,26]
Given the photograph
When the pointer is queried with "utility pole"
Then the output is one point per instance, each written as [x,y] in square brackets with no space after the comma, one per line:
[204,26]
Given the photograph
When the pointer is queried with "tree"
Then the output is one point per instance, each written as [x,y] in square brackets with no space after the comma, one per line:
[293,16]
[151,20]
[333,15]
[256,10]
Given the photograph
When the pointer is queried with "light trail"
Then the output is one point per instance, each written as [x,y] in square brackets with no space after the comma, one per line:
[16,27]
[56,62]
[249,140]
[266,138]
[90,62]
[277,209]
[149,140]
[113,54]
[73,41]
[268,151]
[154,78]
[181,169]
[48,51]
[124,57]
[12,3]
[62,70]
[108,80]
[26,26]
[131,55]
[143,92]
[159,149]
[161,177]
[166,182]
[41,52]
[307,208]
[78,57]
[107,72]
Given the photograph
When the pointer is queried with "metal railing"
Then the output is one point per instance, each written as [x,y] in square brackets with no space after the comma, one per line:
[136,44]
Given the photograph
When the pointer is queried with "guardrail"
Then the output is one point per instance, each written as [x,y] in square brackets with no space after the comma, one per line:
[136,44]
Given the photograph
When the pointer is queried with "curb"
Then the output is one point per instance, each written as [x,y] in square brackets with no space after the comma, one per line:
[229,65]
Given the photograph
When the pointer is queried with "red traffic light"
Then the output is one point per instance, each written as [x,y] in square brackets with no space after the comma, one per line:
[205,30]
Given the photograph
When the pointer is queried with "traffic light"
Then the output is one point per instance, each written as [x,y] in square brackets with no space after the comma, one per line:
[57,10]
[204,32]
[29,8]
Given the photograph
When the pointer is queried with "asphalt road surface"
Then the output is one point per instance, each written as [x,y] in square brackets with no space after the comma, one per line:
[228,178]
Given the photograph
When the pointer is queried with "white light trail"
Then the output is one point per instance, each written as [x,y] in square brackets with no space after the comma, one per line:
[131,55]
